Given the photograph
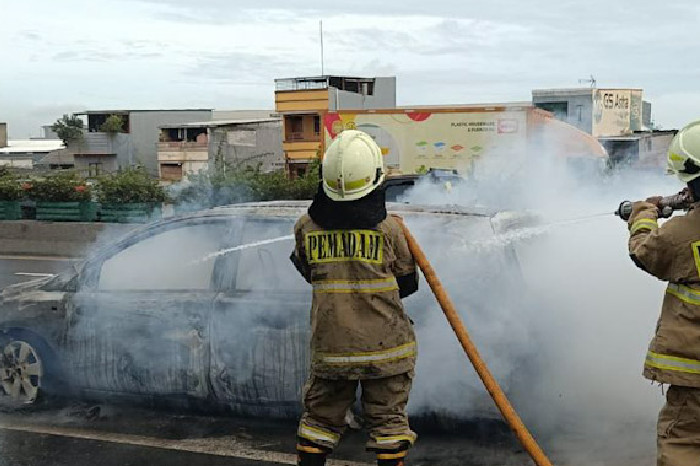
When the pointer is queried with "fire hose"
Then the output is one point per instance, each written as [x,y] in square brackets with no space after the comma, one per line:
[502,403]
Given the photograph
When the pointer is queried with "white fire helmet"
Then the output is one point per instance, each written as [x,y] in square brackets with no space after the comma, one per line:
[353,166]
[684,153]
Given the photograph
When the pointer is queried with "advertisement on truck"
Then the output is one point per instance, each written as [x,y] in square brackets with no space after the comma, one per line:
[415,141]
[469,140]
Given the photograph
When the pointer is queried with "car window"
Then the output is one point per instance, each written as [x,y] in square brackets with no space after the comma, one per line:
[267,266]
[176,259]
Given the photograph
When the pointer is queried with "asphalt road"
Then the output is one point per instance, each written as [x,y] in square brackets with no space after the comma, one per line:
[82,435]
[77,433]
[116,435]
[16,269]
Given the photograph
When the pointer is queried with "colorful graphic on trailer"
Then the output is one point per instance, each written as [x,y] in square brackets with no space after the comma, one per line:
[412,140]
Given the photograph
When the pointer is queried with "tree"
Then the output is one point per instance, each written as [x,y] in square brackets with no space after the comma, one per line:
[69,128]
[113,124]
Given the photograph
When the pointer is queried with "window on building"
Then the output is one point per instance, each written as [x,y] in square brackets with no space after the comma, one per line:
[579,113]
[317,125]
[95,169]
[351,85]
[294,127]
[296,124]
[171,171]
[559,109]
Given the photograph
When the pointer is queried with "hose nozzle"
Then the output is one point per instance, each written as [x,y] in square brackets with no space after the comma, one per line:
[665,205]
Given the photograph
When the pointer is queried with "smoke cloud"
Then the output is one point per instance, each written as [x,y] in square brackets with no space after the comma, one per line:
[559,311]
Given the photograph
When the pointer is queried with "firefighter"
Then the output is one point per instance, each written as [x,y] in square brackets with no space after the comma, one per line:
[358,263]
[671,253]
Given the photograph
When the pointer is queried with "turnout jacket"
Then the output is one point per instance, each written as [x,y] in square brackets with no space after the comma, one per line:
[359,329]
[671,253]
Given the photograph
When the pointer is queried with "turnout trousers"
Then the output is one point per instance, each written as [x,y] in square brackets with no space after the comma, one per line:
[384,400]
[678,428]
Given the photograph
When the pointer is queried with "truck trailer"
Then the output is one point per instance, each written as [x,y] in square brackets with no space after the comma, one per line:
[474,140]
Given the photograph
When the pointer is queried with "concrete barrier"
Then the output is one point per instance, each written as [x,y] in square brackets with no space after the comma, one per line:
[35,238]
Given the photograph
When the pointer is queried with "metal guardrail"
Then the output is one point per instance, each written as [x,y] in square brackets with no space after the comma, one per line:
[179,145]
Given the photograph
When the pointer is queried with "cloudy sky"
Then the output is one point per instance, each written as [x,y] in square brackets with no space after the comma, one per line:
[72,55]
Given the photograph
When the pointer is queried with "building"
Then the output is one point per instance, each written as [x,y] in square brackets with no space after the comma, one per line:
[24,154]
[302,102]
[598,112]
[136,143]
[27,153]
[218,115]
[619,118]
[48,133]
[192,147]
[643,149]
[3,135]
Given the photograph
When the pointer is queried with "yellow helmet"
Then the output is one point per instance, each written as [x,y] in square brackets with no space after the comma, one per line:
[684,153]
[353,166]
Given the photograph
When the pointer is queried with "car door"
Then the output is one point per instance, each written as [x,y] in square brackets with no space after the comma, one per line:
[140,322]
[260,324]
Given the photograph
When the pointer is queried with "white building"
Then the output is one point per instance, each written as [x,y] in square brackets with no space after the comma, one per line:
[24,153]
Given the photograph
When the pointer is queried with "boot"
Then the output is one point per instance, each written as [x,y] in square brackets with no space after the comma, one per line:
[391,459]
[308,455]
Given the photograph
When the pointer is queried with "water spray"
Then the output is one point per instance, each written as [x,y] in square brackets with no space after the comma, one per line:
[509,236]
[244,246]
[666,205]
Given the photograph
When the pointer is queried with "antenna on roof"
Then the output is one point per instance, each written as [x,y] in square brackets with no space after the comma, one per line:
[320,30]
[591,80]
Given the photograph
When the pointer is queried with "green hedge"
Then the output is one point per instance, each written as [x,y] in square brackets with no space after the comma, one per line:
[235,185]
[131,186]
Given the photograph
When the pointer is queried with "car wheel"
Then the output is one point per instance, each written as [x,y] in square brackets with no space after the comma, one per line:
[22,374]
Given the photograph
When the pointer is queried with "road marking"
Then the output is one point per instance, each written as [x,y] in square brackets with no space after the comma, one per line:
[226,446]
[35,274]
[39,258]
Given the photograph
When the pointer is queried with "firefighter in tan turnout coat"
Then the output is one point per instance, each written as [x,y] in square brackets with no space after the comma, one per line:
[671,252]
[358,263]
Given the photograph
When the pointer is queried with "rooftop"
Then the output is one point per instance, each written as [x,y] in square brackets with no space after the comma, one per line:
[25,146]
[524,103]
[579,90]
[325,77]
[350,83]
[217,123]
[126,112]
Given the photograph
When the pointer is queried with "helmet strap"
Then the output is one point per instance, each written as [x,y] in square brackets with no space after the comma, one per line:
[377,176]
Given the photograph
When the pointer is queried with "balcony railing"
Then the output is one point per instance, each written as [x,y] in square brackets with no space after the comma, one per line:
[294,137]
[300,85]
[180,145]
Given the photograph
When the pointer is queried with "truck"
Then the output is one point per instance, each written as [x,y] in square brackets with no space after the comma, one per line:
[475,140]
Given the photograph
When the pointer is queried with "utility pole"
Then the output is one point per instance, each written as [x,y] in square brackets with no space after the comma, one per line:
[320,31]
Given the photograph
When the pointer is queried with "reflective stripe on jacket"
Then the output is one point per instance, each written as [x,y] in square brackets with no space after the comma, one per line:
[671,252]
[359,327]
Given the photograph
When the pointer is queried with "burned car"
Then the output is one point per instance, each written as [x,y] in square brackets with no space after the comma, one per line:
[207,307]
